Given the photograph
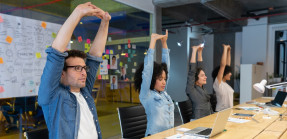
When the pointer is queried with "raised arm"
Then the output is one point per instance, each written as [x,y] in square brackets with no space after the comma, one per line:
[228,61]
[148,67]
[165,55]
[191,73]
[98,46]
[64,35]
[222,63]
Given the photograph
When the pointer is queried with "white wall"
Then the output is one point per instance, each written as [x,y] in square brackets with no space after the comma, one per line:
[145,5]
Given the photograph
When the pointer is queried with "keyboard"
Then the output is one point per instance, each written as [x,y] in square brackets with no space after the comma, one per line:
[205,132]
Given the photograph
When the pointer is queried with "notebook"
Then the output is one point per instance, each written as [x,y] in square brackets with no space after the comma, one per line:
[278,100]
[218,126]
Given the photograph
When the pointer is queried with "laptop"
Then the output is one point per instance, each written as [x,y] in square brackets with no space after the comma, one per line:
[218,126]
[278,100]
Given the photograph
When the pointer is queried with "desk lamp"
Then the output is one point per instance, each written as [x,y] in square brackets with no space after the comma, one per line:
[260,87]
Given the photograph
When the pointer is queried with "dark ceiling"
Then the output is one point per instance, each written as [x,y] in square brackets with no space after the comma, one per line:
[220,15]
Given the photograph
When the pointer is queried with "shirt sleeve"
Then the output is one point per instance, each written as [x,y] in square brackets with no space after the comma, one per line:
[191,80]
[94,63]
[166,59]
[147,74]
[51,76]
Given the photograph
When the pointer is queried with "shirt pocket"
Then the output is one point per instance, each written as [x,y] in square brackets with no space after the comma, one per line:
[69,110]
[158,100]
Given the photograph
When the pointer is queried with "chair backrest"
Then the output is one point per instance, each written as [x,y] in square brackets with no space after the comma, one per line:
[133,121]
[185,110]
[37,134]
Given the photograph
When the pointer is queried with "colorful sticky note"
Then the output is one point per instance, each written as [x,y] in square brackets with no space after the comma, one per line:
[126,65]
[107,56]
[1,19]
[9,39]
[99,77]
[129,51]
[117,56]
[133,70]
[38,55]
[88,41]
[134,46]
[44,24]
[129,59]
[135,64]
[103,57]
[134,51]
[129,45]
[119,47]
[80,39]
[131,55]
[54,35]
[111,52]
[127,55]
[47,46]
[1,60]
[87,45]
[129,41]
[107,51]
[1,89]
[121,64]
[126,46]
[108,66]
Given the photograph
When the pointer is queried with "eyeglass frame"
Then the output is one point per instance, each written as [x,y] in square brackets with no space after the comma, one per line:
[87,68]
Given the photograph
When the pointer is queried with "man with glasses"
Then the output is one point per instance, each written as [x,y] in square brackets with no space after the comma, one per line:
[68,79]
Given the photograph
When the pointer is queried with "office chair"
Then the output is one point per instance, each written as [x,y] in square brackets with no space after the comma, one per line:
[185,110]
[133,121]
[213,101]
[17,110]
[37,134]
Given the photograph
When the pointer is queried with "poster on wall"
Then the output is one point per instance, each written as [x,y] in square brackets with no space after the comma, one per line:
[113,62]
[114,82]
[23,43]
[104,67]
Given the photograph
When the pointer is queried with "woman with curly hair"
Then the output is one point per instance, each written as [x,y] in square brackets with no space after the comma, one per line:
[151,82]
[221,74]
[195,90]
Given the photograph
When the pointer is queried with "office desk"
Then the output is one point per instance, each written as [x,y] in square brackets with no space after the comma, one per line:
[266,128]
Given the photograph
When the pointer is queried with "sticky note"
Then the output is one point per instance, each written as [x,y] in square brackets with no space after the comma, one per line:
[108,66]
[134,46]
[9,39]
[121,64]
[111,52]
[135,64]
[1,60]
[44,24]
[47,46]
[54,35]
[107,56]
[126,46]
[126,65]
[88,41]
[127,55]
[129,45]
[133,70]
[117,56]
[129,41]
[1,19]
[109,39]
[80,39]
[134,51]
[103,57]
[107,51]
[1,89]
[119,47]
[129,51]
[129,59]
[38,55]
[99,77]
[131,55]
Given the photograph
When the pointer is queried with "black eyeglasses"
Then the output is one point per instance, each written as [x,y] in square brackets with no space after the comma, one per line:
[80,68]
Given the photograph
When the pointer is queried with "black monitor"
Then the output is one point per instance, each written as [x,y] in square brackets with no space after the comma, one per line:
[279,99]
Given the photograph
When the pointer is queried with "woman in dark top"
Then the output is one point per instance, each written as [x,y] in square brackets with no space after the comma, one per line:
[194,88]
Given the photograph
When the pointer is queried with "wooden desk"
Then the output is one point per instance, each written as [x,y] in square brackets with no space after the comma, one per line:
[266,128]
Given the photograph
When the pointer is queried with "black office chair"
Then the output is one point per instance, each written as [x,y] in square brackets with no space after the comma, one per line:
[185,110]
[213,101]
[37,134]
[133,121]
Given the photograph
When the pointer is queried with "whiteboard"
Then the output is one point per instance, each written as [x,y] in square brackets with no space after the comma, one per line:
[22,54]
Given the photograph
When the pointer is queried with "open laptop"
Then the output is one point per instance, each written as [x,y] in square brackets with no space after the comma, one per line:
[218,126]
[278,100]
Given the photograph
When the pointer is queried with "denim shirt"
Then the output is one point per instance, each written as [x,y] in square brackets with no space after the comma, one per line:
[159,107]
[60,106]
